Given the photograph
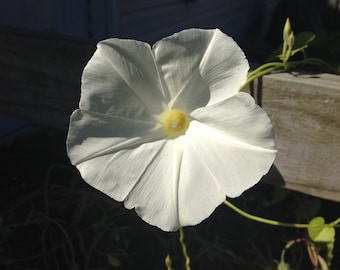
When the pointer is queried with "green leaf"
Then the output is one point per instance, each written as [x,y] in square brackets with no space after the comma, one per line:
[319,231]
[283,266]
[301,42]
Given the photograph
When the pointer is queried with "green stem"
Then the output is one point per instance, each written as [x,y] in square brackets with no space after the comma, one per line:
[266,66]
[264,220]
[272,66]
[317,62]
[252,76]
[168,262]
[335,223]
[184,249]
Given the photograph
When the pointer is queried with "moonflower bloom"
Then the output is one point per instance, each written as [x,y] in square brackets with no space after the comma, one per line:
[165,128]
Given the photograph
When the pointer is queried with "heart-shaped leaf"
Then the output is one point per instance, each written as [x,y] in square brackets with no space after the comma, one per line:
[319,231]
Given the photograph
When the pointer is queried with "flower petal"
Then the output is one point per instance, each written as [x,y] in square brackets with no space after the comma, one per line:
[230,146]
[194,94]
[122,79]
[224,67]
[155,197]
[199,192]
[215,167]
[144,177]
[238,119]
[91,135]
[217,58]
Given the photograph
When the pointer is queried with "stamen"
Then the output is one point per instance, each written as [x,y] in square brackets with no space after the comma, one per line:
[175,122]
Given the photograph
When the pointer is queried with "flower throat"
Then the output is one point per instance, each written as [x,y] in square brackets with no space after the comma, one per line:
[174,122]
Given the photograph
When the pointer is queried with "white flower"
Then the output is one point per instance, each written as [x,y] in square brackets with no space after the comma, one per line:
[165,128]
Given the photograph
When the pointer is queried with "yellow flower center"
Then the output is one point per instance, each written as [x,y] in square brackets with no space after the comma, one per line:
[174,122]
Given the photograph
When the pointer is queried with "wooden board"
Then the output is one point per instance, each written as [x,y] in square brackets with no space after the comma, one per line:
[305,111]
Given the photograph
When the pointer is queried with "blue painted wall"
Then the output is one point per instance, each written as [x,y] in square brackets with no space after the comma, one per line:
[143,19]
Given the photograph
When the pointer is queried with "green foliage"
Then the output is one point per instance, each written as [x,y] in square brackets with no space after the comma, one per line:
[302,41]
[283,266]
[319,231]
[280,59]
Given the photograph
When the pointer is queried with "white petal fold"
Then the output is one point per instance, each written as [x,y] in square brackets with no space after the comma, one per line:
[216,57]
[92,134]
[145,178]
[229,148]
[122,79]
[239,119]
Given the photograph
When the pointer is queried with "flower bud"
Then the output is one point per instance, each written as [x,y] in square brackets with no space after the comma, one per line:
[286,31]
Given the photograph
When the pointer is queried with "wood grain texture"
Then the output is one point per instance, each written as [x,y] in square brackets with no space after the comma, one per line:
[305,111]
